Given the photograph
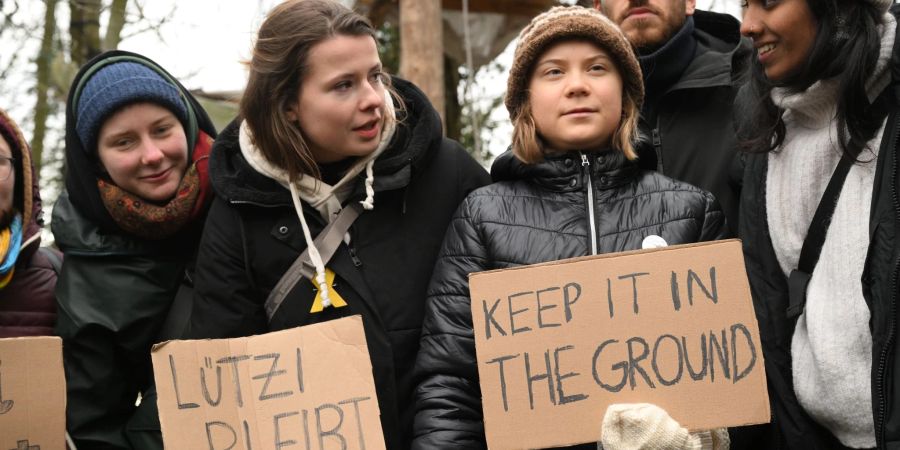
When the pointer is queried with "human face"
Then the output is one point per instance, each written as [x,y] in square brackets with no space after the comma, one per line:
[575,95]
[648,24]
[7,186]
[783,32]
[340,107]
[144,149]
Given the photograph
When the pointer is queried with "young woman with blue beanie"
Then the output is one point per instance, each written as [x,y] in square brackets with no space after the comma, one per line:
[137,193]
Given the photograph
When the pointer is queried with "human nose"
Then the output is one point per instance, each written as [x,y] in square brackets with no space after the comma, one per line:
[372,97]
[751,25]
[575,84]
[151,154]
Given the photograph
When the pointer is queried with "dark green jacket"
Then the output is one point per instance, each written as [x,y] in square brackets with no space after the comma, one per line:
[113,294]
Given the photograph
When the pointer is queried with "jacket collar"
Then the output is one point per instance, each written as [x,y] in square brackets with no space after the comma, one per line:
[722,55]
[565,172]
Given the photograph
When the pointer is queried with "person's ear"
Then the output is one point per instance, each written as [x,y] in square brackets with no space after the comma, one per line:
[689,7]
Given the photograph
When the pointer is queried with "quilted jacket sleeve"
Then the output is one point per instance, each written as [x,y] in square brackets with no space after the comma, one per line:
[715,227]
[448,398]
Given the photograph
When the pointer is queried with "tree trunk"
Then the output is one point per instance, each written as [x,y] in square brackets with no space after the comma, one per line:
[42,108]
[115,24]
[84,29]
[422,48]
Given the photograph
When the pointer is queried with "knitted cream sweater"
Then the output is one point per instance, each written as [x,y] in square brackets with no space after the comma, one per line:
[832,345]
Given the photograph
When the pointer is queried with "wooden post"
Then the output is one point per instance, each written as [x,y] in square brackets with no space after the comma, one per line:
[422,48]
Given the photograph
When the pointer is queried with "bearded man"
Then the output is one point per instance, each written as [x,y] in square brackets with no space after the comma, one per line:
[693,63]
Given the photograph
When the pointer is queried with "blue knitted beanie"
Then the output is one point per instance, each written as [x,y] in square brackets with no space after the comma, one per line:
[115,86]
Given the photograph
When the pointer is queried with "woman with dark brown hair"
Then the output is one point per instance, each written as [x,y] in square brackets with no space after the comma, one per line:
[323,129]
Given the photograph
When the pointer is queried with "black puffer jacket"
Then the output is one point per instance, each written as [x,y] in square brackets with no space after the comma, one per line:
[792,427]
[253,235]
[535,213]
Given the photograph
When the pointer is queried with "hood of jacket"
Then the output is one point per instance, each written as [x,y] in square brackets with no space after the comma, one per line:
[561,173]
[722,56]
[84,167]
[27,196]
[418,130]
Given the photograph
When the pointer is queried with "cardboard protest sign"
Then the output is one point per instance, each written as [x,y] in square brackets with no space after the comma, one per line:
[559,342]
[308,388]
[32,394]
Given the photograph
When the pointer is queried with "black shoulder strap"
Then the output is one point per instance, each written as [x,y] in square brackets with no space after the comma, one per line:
[327,242]
[815,238]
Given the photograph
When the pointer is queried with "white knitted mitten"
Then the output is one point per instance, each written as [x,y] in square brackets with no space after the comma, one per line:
[642,426]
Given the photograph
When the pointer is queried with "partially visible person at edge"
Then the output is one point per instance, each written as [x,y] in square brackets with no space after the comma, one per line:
[128,222]
[27,274]
[568,187]
[322,126]
[824,87]
[693,63]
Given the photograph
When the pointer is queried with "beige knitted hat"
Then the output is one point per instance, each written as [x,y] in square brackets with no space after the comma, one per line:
[563,23]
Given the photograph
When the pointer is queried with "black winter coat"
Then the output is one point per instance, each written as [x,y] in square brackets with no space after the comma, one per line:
[499,226]
[253,235]
[691,137]
[791,426]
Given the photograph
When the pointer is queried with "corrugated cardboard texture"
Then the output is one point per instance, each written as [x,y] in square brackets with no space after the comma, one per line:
[32,394]
[559,342]
[308,387]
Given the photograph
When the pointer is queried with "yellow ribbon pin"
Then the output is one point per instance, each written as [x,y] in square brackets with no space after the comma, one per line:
[336,300]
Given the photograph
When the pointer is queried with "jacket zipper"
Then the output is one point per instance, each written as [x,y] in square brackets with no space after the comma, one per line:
[353,257]
[882,362]
[590,202]
[657,147]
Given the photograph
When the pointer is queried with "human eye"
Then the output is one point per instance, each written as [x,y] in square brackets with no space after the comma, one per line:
[597,68]
[378,77]
[122,143]
[343,86]
[163,129]
[552,72]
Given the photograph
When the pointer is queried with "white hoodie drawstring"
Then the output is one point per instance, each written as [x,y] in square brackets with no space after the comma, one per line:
[308,189]
[369,202]
[314,255]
